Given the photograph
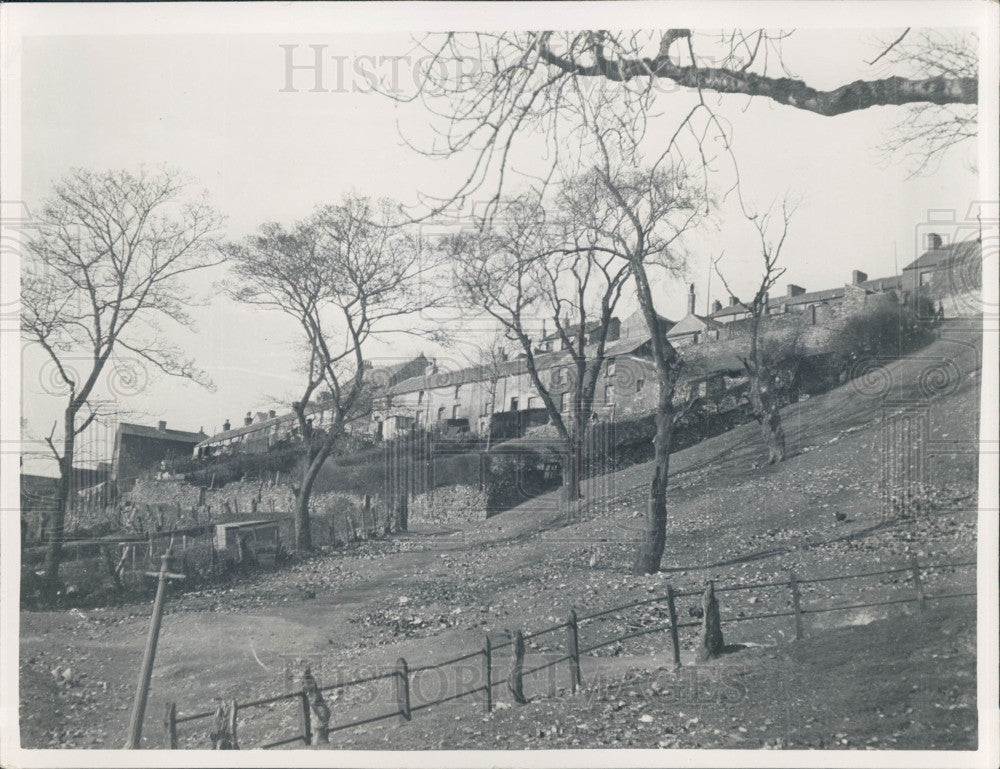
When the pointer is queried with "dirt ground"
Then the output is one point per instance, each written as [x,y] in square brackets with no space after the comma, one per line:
[433,594]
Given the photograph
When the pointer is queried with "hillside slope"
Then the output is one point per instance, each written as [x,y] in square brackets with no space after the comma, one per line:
[432,594]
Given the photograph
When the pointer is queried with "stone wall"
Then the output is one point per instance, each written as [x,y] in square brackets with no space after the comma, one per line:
[449,505]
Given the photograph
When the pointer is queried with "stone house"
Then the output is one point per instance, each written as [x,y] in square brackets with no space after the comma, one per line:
[139,448]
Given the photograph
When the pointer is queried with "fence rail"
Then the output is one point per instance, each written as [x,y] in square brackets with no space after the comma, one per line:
[314,707]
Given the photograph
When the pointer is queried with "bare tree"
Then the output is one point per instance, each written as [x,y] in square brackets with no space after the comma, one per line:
[761,362]
[929,129]
[641,214]
[490,88]
[107,264]
[342,273]
[525,266]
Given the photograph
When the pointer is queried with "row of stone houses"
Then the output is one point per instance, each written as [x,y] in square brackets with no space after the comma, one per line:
[418,393]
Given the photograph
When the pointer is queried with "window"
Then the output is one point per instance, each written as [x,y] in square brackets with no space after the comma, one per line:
[611,367]
[420,397]
[454,411]
[513,404]
[563,401]
[458,389]
[441,414]
[532,402]
[609,394]
[639,384]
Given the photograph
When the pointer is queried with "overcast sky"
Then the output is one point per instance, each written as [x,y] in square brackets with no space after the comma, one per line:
[213,107]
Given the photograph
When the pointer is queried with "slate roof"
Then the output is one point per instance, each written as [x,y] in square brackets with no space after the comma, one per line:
[731,309]
[147,431]
[936,258]
[691,324]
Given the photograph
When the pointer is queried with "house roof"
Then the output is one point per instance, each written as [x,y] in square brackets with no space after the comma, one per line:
[515,367]
[692,324]
[936,258]
[378,378]
[573,330]
[882,284]
[731,309]
[147,431]
[808,297]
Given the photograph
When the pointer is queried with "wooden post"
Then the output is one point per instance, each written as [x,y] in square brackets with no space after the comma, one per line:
[488,665]
[515,682]
[712,643]
[170,725]
[403,689]
[307,732]
[232,725]
[319,707]
[146,672]
[674,636]
[793,583]
[573,646]
[918,584]
[223,734]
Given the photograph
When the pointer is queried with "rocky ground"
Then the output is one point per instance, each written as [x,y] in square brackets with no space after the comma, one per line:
[433,594]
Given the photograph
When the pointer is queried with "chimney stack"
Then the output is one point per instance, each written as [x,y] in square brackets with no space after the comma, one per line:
[733,301]
[933,241]
[271,414]
[858,277]
[248,419]
[691,300]
[716,306]
[794,290]
[162,426]
[226,426]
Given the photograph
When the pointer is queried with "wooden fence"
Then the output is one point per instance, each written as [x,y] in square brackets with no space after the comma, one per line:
[315,727]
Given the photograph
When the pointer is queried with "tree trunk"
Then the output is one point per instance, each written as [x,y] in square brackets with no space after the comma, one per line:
[303,531]
[765,408]
[655,531]
[57,520]
[572,465]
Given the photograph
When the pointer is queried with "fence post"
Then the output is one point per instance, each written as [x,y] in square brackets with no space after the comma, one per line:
[573,646]
[712,643]
[307,731]
[674,637]
[319,707]
[223,736]
[232,725]
[793,583]
[488,664]
[403,689]
[918,584]
[515,682]
[170,725]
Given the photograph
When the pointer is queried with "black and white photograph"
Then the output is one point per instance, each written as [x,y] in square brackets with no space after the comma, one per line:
[499,384]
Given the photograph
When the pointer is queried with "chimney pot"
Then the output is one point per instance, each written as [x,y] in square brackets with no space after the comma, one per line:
[162,426]
[271,414]
[716,305]
[226,426]
[858,277]
[933,241]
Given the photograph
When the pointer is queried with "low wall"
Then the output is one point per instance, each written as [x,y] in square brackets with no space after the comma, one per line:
[449,505]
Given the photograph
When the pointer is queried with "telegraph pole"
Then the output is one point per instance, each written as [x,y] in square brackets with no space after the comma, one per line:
[165,574]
